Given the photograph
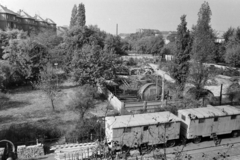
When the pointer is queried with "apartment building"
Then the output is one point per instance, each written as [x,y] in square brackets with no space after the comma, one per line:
[23,21]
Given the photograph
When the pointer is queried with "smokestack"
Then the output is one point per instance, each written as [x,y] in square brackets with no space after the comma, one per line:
[117,29]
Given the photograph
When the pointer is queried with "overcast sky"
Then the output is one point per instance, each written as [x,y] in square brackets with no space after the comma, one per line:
[130,15]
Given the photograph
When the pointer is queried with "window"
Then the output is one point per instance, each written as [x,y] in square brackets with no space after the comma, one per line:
[183,117]
[167,125]
[127,130]
[201,120]
[215,119]
[145,128]
[233,116]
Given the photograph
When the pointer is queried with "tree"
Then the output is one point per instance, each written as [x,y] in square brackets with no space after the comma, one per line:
[83,100]
[229,33]
[92,65]
[232,56]
[180,67]
[234,91]
[203,48]
[113,44]
[47,83]
[198,77]
[81,18]
[203,43]
[73,16]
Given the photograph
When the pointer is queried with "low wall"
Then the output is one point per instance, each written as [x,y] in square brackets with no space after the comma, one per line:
[114,101]
[75,151]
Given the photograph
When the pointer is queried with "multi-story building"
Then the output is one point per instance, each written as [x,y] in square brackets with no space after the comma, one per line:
[23,21]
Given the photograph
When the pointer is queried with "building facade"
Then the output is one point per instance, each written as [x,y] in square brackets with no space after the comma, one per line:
[22,21]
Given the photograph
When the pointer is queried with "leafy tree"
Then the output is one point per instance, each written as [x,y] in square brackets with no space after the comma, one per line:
[203,48]
[203,43]
[26,58]
[8,35]
[232,56]
[81,17]
[92,65]
[198,77]
[172,37]
[73,16]
[180,67]
[83,100]
[169,49]
[47,83]
[228,34]
[234,91]
[155,45]
[113,44]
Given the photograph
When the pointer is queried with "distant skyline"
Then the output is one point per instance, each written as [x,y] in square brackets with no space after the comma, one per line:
[131,15]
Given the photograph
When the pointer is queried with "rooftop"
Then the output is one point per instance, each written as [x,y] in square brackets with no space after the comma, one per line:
[6,10]
[210,111]
[23,14]
[141,119]
[38,18]
[50,21]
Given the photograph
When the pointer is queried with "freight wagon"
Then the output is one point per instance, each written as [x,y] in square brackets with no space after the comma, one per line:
[165,128]
[135,130]
[209,121]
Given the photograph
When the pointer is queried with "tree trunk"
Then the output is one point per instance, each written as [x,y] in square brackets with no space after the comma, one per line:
[53,107]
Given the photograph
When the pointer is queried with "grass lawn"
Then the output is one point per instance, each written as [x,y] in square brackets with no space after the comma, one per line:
[24,105]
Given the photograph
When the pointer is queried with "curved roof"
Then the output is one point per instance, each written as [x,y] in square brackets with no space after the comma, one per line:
[141,119]
[144,87]
[210,111]
[6,10]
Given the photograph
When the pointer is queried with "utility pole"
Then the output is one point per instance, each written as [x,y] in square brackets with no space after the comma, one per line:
[163,77]
[116,29]
[221,95]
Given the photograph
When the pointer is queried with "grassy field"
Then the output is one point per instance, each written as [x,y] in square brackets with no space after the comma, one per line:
[24,105]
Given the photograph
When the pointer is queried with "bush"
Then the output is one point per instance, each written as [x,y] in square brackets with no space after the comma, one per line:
[27,133]
[92,129]
[131,62]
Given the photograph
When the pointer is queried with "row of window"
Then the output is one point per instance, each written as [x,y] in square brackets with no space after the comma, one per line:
[9,17]
[145,128]
[203,120]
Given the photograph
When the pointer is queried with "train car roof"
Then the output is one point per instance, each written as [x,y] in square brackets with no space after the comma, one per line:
[210,111]
[141,119]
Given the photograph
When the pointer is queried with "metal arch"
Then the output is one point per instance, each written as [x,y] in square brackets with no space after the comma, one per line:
[13,147]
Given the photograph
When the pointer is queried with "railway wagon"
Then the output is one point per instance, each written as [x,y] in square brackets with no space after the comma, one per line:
[142,129]
[209,121]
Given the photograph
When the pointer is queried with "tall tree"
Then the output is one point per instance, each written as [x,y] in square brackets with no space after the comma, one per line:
[203,49]
[81,17]
[203,44]
[73,16]
[180,67]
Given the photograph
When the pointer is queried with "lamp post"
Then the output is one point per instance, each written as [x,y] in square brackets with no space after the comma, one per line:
[56,64]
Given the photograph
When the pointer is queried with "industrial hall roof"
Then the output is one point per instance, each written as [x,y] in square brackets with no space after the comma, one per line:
[210,111]
[141,119]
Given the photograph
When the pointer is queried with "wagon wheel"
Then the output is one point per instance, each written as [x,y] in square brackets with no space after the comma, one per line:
[197,140]
[170,143]
[235,134]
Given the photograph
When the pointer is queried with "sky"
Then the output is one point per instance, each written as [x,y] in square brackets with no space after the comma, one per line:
[131,15]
